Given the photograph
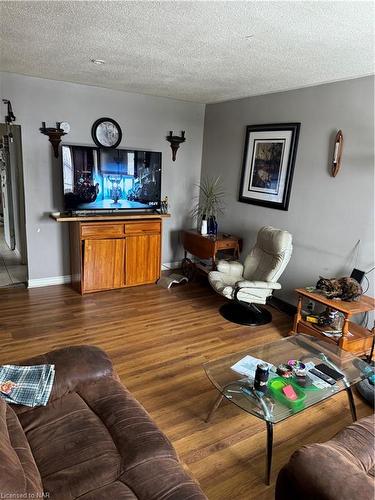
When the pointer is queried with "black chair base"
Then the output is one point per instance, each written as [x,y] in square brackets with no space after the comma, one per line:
[245,314]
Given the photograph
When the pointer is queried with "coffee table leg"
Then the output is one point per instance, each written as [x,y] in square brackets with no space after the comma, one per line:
[351,403]
[215,406]
[269,451]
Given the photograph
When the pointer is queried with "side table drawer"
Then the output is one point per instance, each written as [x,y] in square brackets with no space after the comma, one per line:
[222,244]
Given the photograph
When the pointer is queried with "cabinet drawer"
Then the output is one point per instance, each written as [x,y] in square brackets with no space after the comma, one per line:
[142,227]
[102,230]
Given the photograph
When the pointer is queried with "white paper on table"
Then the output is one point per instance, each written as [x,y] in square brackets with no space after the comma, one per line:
[247,366]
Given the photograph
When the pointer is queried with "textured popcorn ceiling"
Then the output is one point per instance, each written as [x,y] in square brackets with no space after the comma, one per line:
[195,51]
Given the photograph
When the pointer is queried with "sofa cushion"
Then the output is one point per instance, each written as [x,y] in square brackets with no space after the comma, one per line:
[18,472]
[95,441]
[100,440]
[116,490]
[72,447]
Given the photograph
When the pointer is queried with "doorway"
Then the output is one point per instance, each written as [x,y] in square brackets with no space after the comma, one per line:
[13,252]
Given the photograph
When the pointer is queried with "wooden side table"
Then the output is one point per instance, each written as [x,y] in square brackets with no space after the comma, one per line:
[355,338]
[206,247]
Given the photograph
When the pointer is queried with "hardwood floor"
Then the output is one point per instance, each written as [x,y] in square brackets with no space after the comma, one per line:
[158,340]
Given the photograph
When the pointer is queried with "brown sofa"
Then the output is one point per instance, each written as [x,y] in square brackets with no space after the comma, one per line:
[92,441]
[340,469]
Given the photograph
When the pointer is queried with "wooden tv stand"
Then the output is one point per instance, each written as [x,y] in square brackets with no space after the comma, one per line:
[114,251]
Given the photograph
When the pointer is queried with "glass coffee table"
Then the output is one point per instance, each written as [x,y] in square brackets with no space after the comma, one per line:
[238,389]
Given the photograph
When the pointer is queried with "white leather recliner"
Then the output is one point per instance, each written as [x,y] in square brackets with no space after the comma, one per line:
[253,282]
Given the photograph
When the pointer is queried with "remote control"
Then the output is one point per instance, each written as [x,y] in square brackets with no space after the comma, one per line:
[329,371]
[323,376]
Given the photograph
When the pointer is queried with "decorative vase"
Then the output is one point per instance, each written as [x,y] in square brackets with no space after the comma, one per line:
[212,225]
[204,227]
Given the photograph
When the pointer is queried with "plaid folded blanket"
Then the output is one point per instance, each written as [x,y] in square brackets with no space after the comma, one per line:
[33,384]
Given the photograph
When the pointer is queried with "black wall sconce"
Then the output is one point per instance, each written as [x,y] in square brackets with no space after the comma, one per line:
[9,118]
[54,136]
[175,141]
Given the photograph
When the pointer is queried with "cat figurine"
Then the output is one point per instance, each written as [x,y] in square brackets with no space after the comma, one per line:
[347,289]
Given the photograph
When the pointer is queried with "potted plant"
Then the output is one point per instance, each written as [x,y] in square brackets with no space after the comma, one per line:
[210,204]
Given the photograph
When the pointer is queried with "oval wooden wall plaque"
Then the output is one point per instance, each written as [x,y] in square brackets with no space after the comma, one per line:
[337,154]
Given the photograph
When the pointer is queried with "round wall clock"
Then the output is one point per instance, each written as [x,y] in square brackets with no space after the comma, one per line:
[106,133]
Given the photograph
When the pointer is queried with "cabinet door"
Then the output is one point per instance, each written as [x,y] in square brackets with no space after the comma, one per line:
[103,264]
[142,259]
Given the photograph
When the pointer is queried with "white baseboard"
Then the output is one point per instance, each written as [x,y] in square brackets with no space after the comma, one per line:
[53,280]
[166,266]
[62,280]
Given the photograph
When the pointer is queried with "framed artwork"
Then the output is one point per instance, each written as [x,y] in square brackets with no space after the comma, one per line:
[106,133]
[268,164]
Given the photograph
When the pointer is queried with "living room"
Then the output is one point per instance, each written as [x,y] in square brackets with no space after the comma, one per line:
[203,81]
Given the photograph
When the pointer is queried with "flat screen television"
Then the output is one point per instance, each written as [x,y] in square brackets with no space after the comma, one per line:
[110,179]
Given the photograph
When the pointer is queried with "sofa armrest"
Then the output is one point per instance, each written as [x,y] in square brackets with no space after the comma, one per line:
[319,471]
[258,284]
[357,441]
[234,267]
[74,366]
[340,469]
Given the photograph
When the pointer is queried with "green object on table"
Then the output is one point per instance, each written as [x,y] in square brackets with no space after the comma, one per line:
[275,387]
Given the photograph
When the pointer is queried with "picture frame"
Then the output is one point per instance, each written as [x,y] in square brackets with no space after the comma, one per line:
[268,164]
[106,133]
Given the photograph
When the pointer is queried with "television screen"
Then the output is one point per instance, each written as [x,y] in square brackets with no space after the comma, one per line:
[110,179]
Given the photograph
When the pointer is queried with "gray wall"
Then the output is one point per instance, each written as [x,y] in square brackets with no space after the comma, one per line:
[145,122]
[327,216]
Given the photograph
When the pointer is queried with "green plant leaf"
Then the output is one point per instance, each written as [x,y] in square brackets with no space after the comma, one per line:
[210,198]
